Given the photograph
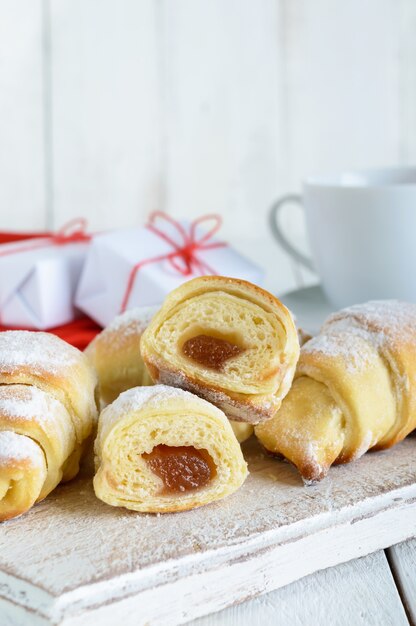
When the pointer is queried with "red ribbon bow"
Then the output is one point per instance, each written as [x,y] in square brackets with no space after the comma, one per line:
[74,231]
[184,256]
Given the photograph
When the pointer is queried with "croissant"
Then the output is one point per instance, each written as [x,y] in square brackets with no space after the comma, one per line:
[226,340]
[47,411]
[160,449]
[115,354]
[354,390]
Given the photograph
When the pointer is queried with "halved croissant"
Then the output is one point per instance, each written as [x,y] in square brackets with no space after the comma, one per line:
[354,389]
[161,449]
[226,340]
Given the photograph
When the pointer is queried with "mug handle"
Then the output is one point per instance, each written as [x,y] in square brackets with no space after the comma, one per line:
[279,234]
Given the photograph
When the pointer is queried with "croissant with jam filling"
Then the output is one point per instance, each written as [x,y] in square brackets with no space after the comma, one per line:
[226,340]
[161,449]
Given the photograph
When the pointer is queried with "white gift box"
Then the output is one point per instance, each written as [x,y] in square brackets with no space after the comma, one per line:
[113,257]
[38,280]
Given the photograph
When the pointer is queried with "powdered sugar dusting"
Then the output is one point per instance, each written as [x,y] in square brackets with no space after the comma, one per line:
[343,339]
[135,399]
[384,325]
[378,324]
[25,401]
[138,396]
[312,450]
[42,352]
[18,447]
[392,317]
[365,445]
[133,320]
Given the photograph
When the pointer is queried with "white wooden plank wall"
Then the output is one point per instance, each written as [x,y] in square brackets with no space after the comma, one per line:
[111,109]
[22,122]
[106,105]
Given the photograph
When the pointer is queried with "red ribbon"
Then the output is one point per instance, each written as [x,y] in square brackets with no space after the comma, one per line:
[183,258]
[74,231]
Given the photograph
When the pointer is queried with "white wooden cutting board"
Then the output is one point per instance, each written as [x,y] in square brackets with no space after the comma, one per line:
[73,560]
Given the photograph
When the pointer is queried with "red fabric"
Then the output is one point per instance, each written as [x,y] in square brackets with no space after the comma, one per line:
[81,331]
[10,237]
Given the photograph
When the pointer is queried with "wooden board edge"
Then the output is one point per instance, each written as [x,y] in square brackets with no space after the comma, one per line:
[236,581]
[12,614]
[242,575]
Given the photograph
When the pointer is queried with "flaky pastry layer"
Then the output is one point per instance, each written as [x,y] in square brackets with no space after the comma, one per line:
[47,410]
[144,418]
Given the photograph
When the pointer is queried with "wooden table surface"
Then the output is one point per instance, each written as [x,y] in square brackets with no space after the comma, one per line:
[379,589]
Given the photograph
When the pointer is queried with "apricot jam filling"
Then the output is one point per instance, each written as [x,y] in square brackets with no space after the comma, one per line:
[181,468]
[211,352]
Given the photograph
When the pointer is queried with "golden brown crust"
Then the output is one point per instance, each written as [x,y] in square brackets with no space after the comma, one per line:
[115,354]
[270,380]
[49,363]
[236,406]
[354,389]
[394,323]
[47,409]
[203,284]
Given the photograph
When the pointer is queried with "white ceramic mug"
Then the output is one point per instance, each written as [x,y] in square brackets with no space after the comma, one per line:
[362,231]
